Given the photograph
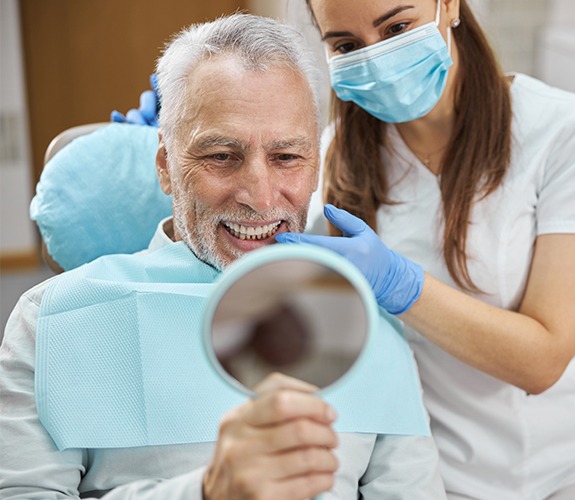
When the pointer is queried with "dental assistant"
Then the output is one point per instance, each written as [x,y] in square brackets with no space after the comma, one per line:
[467,175]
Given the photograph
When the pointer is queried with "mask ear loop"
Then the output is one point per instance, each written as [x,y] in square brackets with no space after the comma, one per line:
[438,13]
[437,18]
[326,52]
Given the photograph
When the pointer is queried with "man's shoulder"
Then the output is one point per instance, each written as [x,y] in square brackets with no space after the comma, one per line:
[34,295]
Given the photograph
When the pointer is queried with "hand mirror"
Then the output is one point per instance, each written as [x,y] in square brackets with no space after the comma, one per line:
[299,310]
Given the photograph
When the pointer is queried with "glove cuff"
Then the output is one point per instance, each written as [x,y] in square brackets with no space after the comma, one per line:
[403,285]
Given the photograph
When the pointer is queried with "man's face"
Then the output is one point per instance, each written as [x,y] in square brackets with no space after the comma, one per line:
[245,159]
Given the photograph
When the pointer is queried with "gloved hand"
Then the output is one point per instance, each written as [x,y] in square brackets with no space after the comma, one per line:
[395,280]
[147,113]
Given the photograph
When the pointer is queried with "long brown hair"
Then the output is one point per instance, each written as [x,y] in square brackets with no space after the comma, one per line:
[474,163]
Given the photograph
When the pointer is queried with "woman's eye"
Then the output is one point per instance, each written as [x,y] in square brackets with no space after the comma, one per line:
[344,48]
[397,29]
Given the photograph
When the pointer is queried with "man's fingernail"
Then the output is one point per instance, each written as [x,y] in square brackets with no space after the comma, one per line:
[331,414]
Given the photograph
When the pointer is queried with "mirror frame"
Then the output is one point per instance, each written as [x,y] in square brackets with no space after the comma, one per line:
[276,253]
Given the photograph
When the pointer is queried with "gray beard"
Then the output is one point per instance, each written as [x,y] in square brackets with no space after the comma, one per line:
[201,239]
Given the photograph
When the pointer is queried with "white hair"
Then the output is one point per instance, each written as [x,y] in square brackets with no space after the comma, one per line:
[261,43]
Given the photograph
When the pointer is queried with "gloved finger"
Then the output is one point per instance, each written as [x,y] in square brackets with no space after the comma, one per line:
[334,243]
[117,117]
[349,224]
[134,116]
[156,89]
[154,82]
[148,105]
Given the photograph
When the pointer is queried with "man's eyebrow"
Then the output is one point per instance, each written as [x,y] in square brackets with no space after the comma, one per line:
[216,140]
[295,142]
[380,20]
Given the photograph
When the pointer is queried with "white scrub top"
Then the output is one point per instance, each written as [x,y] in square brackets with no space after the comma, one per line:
[495,441]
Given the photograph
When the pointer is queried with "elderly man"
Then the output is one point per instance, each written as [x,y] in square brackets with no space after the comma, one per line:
[239,153]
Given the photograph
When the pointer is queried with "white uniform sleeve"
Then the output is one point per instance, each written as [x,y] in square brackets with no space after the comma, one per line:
[31,467]
[556,200]
[403,467]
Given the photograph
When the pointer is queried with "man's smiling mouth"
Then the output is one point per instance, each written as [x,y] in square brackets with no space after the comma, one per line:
[252,232]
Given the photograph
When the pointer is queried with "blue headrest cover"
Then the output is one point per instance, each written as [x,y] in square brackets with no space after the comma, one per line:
[100,195]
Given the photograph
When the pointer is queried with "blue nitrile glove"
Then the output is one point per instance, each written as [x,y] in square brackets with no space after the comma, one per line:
[395,280]
[147,113]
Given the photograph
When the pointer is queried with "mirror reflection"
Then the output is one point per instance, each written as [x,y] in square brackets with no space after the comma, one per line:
[296,317]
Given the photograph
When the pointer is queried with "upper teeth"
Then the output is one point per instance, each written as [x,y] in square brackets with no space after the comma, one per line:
[252,232]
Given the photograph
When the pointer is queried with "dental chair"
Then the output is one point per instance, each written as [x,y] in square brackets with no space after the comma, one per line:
[98,193]
[67,136]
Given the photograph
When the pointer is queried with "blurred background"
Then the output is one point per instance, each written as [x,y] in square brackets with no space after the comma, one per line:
[71,62]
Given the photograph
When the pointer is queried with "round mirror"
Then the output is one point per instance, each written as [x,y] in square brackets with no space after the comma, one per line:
[299,310]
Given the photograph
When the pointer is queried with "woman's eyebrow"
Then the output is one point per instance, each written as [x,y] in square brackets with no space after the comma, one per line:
[388,15]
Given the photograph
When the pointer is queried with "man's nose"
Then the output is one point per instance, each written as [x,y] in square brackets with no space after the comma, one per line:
[256,187]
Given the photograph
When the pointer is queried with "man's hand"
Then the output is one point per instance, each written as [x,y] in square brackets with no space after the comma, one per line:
[278,446]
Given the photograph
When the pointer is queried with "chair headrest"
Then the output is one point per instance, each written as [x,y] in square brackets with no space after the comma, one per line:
[100,195]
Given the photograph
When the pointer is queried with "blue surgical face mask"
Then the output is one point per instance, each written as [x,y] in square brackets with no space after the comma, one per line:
[396,80]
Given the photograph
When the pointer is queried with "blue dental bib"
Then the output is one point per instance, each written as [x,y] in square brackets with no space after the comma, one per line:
[120,361]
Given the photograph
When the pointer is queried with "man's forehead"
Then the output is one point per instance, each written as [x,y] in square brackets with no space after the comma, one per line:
[214,72]
[231,104]
[239,107]
[224,79]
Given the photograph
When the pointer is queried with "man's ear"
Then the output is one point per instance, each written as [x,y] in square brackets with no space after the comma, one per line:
[162,166]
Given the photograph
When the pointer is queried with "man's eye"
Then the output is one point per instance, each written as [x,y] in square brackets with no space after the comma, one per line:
[287,157]
[286,160]
[221,157]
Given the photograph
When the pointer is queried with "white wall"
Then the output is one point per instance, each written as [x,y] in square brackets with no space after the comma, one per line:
[562,14]
[270,8]
[536,37]
[555,58]
[16,230]
[513,27]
